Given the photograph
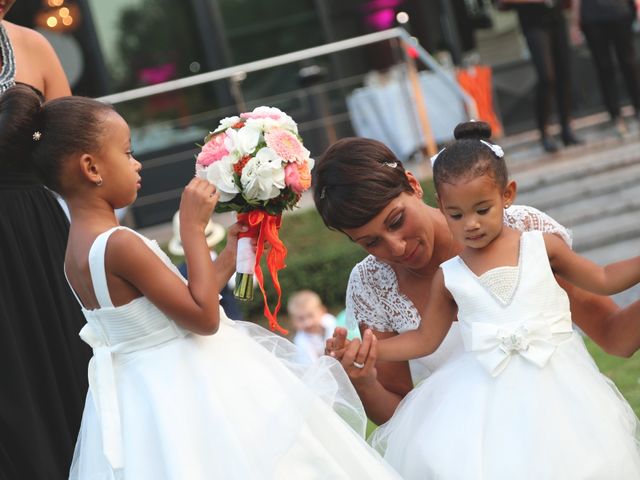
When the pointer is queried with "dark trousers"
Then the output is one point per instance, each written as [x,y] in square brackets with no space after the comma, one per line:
[549,48]
[603,39]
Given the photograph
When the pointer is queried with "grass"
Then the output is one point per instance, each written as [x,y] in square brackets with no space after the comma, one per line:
[625,373]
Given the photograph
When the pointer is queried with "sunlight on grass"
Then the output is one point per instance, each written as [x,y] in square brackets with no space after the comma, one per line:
[625,373]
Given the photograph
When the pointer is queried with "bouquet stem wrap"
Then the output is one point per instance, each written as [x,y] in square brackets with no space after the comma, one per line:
[265,227]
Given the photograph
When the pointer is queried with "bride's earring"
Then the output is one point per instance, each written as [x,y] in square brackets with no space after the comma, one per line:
[99,182]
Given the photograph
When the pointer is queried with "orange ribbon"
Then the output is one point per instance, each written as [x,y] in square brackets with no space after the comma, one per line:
[265,226]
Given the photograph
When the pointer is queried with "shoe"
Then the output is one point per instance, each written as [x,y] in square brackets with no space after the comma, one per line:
[549,144]
[569,139]
[620,127]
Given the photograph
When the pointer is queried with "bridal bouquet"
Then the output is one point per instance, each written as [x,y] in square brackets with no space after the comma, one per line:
[258,164]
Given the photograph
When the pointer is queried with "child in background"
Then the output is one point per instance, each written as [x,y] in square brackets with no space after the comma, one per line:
[176,389]
[312,323]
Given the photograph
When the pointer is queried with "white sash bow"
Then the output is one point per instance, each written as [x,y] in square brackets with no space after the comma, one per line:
[102,383]
[533,340]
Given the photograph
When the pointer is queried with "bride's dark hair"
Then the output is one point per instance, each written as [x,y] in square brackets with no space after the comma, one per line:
[354,180]
[469,157]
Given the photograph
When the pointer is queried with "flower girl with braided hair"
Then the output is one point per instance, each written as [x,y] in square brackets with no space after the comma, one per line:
[524,400]
[176,389]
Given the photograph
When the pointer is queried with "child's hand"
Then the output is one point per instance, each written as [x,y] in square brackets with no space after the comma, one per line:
[358,359]
[233,233]
[199,198]
[340,348]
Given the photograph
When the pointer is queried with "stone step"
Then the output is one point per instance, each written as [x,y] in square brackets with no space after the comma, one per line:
[612,253]
[596,206]
[607,230]
[584,164]
[602,182]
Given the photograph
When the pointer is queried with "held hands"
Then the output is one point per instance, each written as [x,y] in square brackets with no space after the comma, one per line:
[357,358]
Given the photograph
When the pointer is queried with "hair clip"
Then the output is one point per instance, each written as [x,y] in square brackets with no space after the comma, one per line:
[435,157]
[323,192]
[390,164]
[36,136]
[496,149]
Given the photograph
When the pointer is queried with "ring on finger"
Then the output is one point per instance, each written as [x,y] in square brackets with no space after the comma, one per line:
[358,365]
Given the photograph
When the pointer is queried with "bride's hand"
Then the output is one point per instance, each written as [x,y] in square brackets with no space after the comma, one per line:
[357,358]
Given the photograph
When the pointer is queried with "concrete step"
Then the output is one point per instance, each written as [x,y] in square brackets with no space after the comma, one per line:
[607,230]
[582,163]
[596,185]
[612,253]
[596,206]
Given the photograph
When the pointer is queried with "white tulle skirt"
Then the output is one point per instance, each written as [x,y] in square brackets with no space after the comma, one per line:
[565,421]
[230,406]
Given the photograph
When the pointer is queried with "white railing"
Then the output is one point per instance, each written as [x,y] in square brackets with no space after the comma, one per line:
[339,46]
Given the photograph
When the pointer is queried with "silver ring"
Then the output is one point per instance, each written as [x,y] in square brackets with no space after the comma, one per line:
[358,365]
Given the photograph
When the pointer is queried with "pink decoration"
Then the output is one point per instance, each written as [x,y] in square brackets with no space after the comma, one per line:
[286,145]
[212,151]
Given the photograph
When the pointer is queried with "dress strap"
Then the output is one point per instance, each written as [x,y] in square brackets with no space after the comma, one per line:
[64,270]
[97,270]
[8,72]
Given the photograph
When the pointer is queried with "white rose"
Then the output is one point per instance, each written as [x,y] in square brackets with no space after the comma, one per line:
[242,142]
[220,173]
[226,123]
[266,124]
[263,176]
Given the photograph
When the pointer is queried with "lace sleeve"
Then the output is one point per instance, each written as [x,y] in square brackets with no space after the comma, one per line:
[373,299]
[526,219]
[362,304]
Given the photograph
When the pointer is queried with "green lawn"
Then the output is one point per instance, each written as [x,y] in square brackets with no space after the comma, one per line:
[625,373]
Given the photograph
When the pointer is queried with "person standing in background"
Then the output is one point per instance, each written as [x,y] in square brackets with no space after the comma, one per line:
[544,27]
[43,381]
[607,27]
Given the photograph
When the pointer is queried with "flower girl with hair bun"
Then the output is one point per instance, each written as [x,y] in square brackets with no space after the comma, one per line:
[177,390]
[524,400]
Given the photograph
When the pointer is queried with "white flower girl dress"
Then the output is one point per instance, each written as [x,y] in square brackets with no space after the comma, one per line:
[525,399]
[164,403]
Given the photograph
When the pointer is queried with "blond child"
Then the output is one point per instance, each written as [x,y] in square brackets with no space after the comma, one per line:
[312,323]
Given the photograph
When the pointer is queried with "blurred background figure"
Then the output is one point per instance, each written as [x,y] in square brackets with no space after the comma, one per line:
[312,324]
[214,233]
[544,27]
[608,26]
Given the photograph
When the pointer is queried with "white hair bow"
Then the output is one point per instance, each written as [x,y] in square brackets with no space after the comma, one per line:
[496,149]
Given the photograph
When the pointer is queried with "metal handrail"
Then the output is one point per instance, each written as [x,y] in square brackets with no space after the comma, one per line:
[299,55]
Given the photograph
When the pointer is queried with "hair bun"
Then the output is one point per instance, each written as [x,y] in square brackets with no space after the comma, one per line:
[472,130]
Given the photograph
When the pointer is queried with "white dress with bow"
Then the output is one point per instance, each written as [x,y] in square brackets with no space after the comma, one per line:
[165,403]
[524,400]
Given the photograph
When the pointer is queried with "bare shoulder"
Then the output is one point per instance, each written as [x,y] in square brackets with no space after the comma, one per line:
[554,244]
[28,36]
[125,247]
[124,239]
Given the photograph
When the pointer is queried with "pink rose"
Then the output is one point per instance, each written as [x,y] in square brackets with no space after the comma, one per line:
[297,177]
[212,151]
